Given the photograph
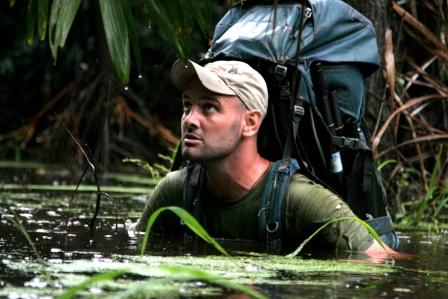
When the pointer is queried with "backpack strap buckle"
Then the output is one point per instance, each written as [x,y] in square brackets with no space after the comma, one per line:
[280,72]
[298,113]
[351,143]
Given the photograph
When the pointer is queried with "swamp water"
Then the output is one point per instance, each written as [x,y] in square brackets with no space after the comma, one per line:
[57,224]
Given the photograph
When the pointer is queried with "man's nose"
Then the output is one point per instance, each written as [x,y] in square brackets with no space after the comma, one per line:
[191,117]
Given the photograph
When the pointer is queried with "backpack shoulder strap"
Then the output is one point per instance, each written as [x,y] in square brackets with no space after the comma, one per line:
[271,213]
[192,190]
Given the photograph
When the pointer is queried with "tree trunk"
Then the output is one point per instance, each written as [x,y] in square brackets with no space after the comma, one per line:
[376,11]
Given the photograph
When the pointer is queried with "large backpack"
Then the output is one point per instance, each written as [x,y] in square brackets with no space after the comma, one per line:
[316,92]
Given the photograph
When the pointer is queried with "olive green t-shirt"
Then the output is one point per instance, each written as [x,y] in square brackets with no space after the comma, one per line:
[308,206]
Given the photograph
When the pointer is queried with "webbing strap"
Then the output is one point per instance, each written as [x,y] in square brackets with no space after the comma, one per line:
[271,213]
[291,140]
[192,190]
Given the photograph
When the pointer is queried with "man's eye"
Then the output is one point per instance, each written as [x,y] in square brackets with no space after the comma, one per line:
[186,106]
[209,107]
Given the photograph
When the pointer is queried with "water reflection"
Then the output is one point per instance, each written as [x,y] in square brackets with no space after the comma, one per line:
[62,237]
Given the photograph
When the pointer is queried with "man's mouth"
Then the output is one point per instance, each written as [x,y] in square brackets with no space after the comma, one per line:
[191,139]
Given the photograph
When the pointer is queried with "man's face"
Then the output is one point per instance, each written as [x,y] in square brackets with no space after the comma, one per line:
[211,124]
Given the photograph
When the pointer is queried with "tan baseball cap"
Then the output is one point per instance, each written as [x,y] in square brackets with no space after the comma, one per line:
[225,77]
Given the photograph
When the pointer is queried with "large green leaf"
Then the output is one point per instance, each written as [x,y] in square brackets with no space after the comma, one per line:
[117,36]
[201,13]
[30,22]
[171,19]
[62,14]
[133,33]
[42,17]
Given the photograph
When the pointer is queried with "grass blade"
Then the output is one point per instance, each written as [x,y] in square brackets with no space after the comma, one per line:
[73,291]
[372,232]
[171,273]
[192,273]
[189,220]
[15,221]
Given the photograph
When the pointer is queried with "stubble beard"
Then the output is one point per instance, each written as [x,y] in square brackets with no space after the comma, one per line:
[214,149]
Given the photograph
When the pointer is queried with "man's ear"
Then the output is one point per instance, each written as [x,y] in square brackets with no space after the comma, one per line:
[251,123]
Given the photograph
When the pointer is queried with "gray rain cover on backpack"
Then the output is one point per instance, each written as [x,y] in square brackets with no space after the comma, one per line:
[333,32]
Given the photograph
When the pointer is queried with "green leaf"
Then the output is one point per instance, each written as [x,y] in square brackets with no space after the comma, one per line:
[62,14]
[172,24]
[42,17]
[385,163]
[12,2]
[16,222]
[133,33]
[117,37]
[189,220]
[199,14]
[30,22]
[372,232]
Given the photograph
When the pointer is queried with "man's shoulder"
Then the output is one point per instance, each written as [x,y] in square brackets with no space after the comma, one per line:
[174,179]
[304,187]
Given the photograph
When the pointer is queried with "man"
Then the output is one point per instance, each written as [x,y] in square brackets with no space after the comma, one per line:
[224,104]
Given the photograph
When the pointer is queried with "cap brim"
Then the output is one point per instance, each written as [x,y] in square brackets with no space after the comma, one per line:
[182,74]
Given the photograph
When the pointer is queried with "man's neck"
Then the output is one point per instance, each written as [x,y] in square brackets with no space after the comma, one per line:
[232,178]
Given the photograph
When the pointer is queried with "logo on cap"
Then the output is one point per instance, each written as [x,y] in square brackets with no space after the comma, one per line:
[233,70]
